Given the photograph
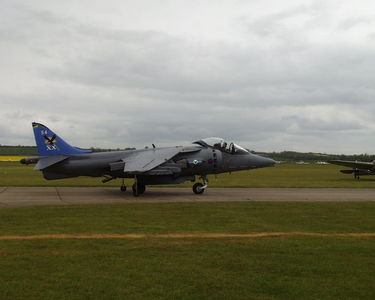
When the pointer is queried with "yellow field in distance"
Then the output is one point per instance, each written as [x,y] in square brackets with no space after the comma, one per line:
[11,158]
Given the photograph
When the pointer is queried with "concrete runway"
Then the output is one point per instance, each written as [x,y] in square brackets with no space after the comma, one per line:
[29,196]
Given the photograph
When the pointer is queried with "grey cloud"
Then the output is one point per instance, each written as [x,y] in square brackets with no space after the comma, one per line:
[320,125]
[270,25]
[352,22]
[17,115]
[156,61]
[97,85]
[147,62]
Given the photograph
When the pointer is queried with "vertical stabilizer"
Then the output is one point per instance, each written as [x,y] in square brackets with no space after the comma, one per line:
[49,143]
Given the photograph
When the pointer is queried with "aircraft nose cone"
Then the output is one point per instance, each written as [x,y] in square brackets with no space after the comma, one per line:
[270,162]
[261,162]
[266,162]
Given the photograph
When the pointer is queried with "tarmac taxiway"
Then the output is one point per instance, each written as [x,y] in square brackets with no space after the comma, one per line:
[30,196]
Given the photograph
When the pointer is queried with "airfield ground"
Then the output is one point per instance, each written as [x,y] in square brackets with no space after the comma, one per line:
[29,196]
[189,251]
[269,242]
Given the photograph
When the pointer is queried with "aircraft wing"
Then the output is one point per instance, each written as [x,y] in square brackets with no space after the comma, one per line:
[144,161]
[354,164]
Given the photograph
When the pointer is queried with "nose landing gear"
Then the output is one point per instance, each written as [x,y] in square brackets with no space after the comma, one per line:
[198,188]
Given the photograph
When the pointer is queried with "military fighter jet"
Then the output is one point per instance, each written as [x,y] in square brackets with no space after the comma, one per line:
[359,168]
[154,166]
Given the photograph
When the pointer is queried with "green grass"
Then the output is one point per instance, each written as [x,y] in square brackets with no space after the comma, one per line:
[226,217]
[284,175]
[300,268]
[152,268]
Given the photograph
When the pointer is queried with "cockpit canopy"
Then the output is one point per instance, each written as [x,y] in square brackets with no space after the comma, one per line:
[221,144]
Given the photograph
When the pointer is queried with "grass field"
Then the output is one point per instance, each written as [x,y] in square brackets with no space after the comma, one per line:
[292,267]
[283,175]
[279,267]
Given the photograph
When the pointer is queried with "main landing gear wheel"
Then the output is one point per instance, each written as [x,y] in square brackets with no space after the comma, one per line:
[138,189]
[198,188]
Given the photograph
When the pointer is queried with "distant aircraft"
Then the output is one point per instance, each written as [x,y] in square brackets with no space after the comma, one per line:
[358,168]
[302,163]
[154,166]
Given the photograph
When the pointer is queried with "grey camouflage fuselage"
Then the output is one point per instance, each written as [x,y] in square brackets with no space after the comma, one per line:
[170,165]
[184,166]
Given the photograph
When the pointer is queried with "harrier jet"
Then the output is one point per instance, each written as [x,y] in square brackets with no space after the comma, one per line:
[358,168]
[154,166]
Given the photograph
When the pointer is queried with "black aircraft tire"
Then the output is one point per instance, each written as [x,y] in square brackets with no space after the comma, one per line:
[197,188]
[123,188]
[135,192]
[141,189]
[138,191]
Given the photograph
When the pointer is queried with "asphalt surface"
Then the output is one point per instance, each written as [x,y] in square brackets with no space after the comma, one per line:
[29,196]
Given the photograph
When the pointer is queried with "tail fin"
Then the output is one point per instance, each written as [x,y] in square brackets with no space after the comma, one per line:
[49,143]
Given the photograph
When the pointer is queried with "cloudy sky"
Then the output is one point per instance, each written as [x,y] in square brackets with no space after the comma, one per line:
[270,75]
